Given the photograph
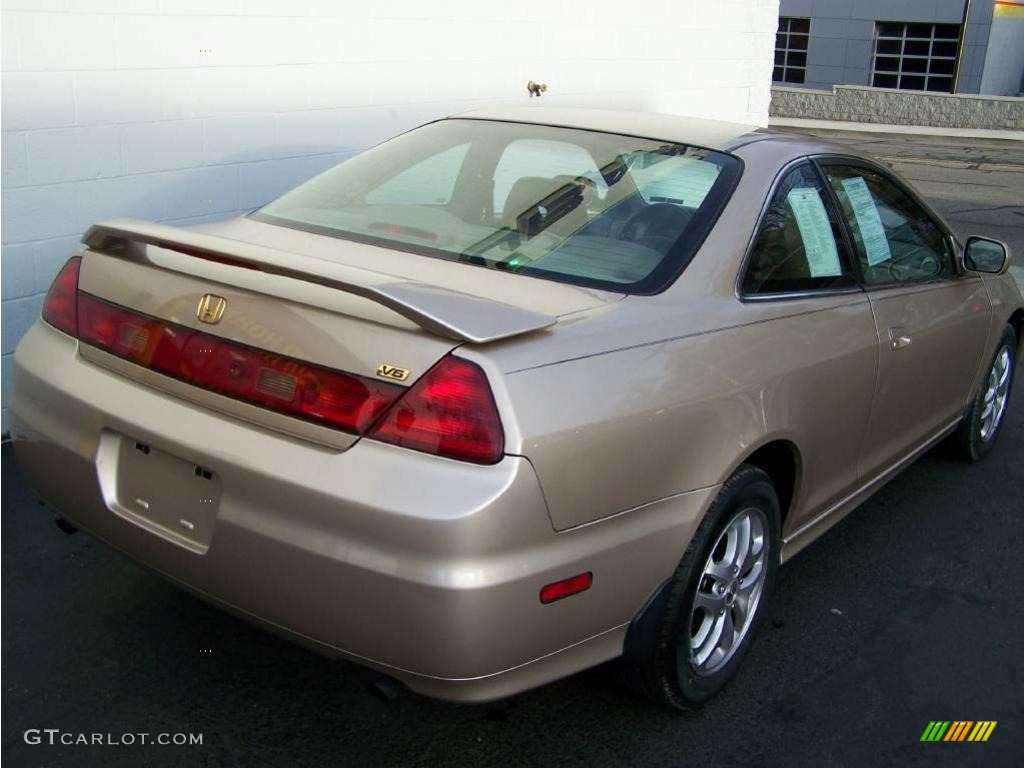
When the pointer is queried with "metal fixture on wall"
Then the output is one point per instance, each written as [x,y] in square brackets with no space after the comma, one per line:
[536,89]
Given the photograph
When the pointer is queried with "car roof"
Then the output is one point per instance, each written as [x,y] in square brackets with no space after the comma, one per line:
[712,134]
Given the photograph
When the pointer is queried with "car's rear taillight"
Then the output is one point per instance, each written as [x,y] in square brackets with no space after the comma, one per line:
[282,384]
[60,307]
[450,412]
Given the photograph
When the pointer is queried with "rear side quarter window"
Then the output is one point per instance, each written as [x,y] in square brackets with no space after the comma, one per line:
[799,245]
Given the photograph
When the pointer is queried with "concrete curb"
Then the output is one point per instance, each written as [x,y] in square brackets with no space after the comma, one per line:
[912,130]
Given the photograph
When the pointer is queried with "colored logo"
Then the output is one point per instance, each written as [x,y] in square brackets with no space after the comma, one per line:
[958,730]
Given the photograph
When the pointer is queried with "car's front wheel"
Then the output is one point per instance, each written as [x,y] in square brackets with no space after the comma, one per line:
[980,427]
[716,599]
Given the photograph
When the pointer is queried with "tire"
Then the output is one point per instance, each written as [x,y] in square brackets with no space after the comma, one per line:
[977,433]
[667,669]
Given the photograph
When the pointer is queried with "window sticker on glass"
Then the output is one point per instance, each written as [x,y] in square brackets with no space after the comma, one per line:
[872,232]
[815,231]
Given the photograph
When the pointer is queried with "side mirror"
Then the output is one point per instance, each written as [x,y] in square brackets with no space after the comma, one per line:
[989,257]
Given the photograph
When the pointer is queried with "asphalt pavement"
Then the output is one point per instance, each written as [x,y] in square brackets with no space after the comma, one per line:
[909,611]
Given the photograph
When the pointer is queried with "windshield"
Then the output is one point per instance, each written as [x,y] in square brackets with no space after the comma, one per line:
[594,209]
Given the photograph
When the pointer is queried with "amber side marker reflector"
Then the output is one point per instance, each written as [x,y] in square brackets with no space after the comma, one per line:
[566,587]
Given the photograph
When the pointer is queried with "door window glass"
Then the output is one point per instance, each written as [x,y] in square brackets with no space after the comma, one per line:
[895,240]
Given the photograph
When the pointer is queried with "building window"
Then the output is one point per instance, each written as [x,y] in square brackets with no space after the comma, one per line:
[915,57]
[791,50]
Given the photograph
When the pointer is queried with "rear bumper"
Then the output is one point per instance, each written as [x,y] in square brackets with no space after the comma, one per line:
[425,568]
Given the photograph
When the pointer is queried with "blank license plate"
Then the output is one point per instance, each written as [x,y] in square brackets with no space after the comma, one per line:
[170,496]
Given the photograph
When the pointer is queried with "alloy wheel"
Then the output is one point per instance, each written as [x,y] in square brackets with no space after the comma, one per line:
[997,394]
[728,591]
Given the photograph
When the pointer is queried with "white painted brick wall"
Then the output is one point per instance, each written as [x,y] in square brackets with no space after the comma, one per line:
[114,107]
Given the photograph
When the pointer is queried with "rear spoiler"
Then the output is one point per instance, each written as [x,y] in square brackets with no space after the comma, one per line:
[441,311]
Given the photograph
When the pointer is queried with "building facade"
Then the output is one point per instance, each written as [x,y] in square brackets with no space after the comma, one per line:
[946,46]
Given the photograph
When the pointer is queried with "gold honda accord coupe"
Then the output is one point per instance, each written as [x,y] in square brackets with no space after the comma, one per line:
[517,392]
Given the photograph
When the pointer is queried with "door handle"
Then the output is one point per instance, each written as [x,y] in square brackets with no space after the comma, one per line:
[900,337]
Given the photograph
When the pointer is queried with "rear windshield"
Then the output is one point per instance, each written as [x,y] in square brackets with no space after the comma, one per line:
[594,209]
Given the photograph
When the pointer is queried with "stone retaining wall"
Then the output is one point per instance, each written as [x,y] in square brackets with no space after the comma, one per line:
[857,104]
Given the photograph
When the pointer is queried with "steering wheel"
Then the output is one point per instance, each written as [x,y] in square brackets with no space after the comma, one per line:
[920,263]
[658,221]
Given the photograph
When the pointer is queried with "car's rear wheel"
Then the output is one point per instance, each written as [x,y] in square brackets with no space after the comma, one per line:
[716,599]
[978,431]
